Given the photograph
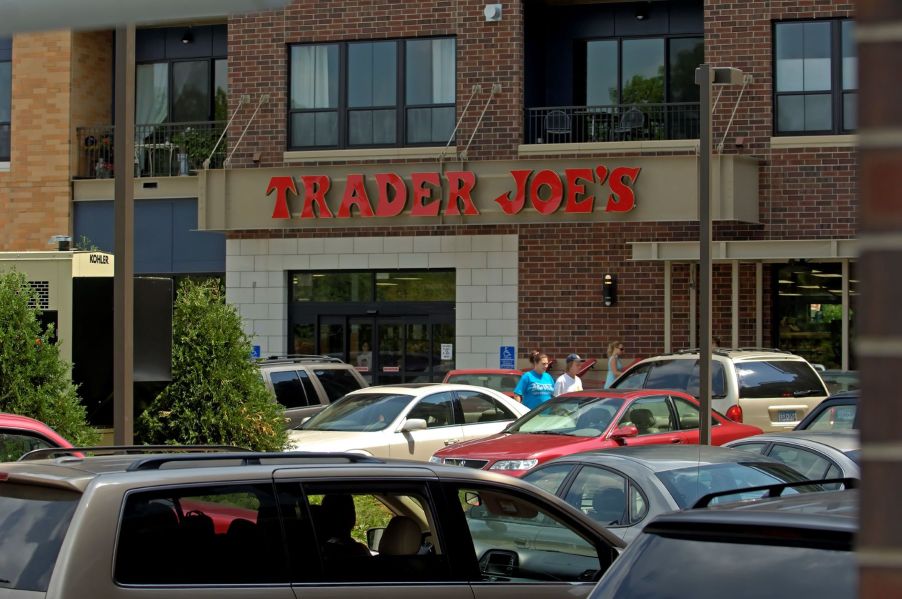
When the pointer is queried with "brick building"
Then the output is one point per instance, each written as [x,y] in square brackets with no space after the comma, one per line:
[352,224]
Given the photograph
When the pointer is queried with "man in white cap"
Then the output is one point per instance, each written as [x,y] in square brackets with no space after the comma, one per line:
[569,381]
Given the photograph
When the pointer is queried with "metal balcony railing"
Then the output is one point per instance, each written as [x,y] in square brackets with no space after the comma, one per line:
[618,122]
[162,150]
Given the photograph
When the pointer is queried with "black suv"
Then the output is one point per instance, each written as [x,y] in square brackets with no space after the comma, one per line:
[305,384]
[795,546]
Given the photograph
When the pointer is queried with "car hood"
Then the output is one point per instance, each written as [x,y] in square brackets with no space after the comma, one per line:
[301,440]
[518,446]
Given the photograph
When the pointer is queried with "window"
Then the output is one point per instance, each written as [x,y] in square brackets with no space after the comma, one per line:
[602,495]
[226,534]
[499,523]
[834,418]
[478,408]
[652,70]
[395,286]
[290,392]
[635,378]
[650,415]
[179,82]
[6,51]
[15,444]
[337,382]
[549,478]
[436,410]
[372,94]
[810,464]
[778,378]
[816,79]
[371,532]
[687,414]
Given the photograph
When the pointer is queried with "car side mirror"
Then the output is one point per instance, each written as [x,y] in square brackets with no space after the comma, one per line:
[621,433]
[413,424]
[305,419]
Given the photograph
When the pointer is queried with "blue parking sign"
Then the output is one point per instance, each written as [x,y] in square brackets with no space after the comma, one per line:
[507,357]
[255,352]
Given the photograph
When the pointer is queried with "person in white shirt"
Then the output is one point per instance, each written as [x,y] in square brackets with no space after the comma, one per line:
[568,381]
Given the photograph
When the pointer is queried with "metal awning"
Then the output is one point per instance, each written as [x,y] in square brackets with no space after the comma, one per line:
[768,250]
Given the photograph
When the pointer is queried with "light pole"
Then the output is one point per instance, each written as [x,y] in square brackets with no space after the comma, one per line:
[706,77]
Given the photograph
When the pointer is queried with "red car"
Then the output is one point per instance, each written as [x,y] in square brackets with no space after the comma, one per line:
[589,420]
[20,434]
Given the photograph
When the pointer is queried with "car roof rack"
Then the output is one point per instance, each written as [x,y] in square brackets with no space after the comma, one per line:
[53,452]
[251,458]
[775,490]
[299,358]
[725,350]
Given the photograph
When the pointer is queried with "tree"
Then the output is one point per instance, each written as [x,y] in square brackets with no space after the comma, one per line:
[34,380]
[216,395]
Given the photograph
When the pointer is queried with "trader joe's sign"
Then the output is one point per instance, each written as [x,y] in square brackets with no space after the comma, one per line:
[451,193]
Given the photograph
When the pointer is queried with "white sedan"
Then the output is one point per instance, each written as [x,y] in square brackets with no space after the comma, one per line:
[406,421]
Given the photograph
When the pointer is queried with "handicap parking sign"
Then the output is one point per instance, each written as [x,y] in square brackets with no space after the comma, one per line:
[255,352]
[508,356]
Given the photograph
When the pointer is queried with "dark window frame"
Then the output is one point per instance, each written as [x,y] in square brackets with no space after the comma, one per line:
[211,74]
[343,110]
[836,92]
[6,126]
[581,76]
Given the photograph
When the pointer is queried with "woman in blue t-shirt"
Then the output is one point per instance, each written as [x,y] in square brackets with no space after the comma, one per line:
[536,385]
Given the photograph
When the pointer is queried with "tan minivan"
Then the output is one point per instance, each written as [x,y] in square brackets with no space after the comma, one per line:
[770,389]
[281,526]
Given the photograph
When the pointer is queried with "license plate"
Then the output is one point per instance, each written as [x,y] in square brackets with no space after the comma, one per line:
[786,416]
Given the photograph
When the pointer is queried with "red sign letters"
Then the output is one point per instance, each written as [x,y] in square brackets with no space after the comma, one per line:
[545,190]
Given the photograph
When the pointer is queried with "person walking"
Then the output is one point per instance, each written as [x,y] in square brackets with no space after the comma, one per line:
[615,365]
[569,381]
[536,385]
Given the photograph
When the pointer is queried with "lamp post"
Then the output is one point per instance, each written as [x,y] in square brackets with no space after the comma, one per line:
[706,77]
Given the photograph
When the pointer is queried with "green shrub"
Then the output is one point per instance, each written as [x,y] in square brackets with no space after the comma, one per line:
[216,395]
[34,381]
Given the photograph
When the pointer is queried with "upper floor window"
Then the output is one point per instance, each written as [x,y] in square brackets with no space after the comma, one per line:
[381,93]
[815,79]
[181,75]
[6,56]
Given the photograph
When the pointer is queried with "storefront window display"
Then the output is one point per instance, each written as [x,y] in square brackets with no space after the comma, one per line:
[808,310]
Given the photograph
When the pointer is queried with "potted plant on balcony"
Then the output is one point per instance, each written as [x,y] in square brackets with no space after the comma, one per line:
[194,146]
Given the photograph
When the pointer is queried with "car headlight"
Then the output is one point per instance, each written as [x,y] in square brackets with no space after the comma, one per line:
[514,464]
[436,460]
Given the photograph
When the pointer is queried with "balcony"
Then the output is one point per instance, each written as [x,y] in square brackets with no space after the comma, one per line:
[161,150]
[612,123]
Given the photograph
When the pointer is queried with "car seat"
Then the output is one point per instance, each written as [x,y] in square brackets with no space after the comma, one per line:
[644,420]
[401,537]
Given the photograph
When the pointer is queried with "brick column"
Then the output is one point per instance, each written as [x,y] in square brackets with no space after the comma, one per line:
[879,32]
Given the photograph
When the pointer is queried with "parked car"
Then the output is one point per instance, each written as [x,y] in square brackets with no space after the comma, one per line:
[624,488]
[589,420]
[306,384]
[20,434]
[815,454]
[783,548]
[500,379]
[838,381]
[125,526]
[837,412]
[770,389]
[407,421]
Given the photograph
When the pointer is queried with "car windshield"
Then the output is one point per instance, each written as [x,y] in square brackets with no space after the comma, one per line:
[577,416]
[834,418]
[688,485]
[498,382]
[363,412]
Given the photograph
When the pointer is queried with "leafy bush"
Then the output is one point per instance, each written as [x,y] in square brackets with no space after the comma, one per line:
[216,395]
[34,381]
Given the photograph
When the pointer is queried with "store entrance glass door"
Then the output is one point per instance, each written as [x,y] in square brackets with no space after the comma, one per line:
[390,350]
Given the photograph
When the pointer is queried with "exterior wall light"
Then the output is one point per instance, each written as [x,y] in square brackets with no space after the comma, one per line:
[187,37]
[609,289]
[492,12]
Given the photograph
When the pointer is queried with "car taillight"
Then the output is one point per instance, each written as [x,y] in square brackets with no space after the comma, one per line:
[4,476]
[734,413]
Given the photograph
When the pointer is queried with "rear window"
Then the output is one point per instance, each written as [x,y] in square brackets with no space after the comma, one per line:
[33,522]
[337,382]
[291,392]
[778,378]
[688,485]
[498,382]
[676,568]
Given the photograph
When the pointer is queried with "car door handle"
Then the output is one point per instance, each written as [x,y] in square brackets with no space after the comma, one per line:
[675,440]
[450,442]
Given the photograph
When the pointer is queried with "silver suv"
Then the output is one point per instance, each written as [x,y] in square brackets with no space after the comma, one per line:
[770,389]
[305,384]
[244,524]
